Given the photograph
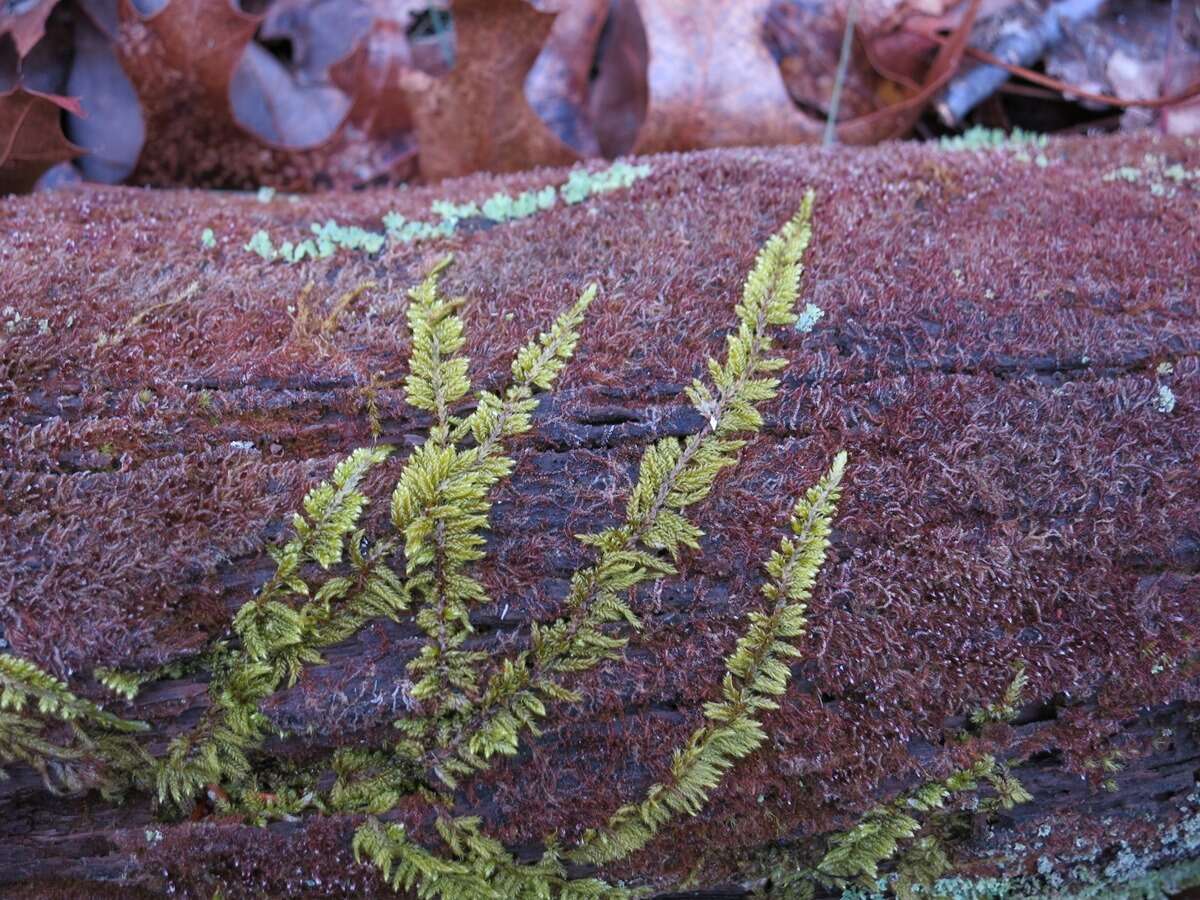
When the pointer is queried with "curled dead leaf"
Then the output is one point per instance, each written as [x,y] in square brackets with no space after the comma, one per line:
[271,103]
[204,38]
[296,104]
[805,39]
[25,22]
[31,128]
[112,134]
[897,118]
[712,81]
[476,117]
[371,73]
[620,94]
[559,83]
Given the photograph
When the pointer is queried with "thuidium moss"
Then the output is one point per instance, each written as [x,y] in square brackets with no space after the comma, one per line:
[469,709]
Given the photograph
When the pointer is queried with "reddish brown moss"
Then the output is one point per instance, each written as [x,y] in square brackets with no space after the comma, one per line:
[988,358]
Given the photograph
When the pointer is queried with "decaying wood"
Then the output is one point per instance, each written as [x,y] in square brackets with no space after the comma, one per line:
[996,338]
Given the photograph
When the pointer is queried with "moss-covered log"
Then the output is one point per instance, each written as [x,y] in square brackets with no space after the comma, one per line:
[1010,353]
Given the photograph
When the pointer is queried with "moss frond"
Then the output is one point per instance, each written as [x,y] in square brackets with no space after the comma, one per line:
[476,867]
[24,685]
[673,476]
[279,639]
[438,376]
[755,673]
[331,578]
[856,854]
[442,499]
[32,701]
[1006,709]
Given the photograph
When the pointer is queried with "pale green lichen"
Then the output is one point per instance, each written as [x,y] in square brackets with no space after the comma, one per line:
[1153,873]
[499,208]
[582,184]
[347,237]
[980,138]
[1124,173]
[808,319]
[1161,179]
[260,243]
[503,208]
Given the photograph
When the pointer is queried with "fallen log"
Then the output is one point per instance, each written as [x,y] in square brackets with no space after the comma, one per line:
[1009,353]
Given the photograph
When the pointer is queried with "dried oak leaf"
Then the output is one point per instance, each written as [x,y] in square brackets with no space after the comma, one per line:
[26,22]
[33,139]
[619,94]
[297,105]
[805,38]
[899,117]
[271,104]
[113,133]
[476,118]
[204,38]
[226,75]
[712,81]
[371,72]
[559,84]
[183,68]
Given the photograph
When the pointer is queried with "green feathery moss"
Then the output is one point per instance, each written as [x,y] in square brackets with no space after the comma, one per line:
[1006,709]
[755,672]
[855,855]
[441,503]
[852,857]
[330,579]
[278,638]
[34,702]
[673,475]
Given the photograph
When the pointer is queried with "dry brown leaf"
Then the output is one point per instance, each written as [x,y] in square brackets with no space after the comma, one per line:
[32,135]
[272,104]
[712,81]
[619,94]
[204,38]
[371,74]
[320,33]
[223,114]
[476,118]
[898,118]
[805,37]
[113,132]
[25,22]
[233,76]
[559,83]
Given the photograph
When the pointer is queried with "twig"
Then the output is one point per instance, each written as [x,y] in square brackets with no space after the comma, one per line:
[1021,47]
[300,326]
[839,80]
